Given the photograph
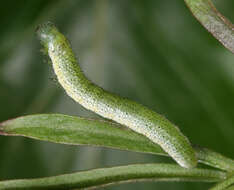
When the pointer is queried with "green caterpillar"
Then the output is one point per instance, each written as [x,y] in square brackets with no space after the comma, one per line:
[122,110]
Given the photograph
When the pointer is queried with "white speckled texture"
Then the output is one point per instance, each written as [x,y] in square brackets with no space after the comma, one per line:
[122,110]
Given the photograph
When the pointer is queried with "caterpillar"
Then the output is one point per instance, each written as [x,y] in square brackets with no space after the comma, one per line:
[121,110]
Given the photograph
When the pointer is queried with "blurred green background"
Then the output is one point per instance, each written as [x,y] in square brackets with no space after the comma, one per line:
[151,51]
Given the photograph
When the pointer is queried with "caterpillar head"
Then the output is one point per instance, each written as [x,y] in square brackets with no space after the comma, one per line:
[49,34]
[46,33]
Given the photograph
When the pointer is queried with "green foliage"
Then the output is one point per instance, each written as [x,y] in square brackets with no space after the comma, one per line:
[225,184]
[220,27]
[65,129]
[122,174]
[188,78]
[58,128]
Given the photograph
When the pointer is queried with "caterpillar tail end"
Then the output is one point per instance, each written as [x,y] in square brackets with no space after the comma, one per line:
[187,158]
[192,163]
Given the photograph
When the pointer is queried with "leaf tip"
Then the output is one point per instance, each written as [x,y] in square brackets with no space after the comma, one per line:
[2,132]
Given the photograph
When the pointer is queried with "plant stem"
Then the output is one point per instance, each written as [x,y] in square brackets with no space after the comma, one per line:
[219,26]
[214,159]
[230,188]
[121,174]
[224,184]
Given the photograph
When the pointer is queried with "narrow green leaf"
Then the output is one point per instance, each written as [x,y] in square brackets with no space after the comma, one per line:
[109,176]
[224,184]
[219,26]
[65,129]
[230,188]
[214,159]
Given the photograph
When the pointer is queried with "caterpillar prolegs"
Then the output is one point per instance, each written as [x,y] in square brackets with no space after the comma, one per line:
[124,111]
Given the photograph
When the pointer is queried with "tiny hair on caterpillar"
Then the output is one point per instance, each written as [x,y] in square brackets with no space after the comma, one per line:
[121,110]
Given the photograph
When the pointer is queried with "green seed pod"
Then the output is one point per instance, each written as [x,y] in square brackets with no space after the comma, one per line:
[124,111]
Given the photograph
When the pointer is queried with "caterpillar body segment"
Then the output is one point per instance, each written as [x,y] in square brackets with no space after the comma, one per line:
[124,111]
